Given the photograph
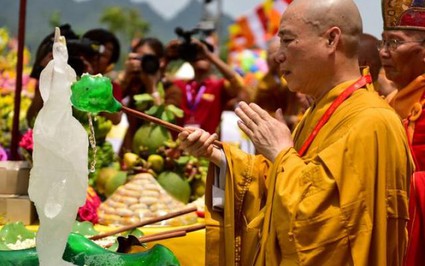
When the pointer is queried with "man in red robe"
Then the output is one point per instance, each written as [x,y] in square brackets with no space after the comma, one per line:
[402,52]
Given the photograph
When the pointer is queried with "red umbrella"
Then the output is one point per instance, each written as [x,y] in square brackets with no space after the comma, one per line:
[18,89]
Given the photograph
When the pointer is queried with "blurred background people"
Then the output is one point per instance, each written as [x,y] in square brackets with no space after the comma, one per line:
[272,91]
[95,52]
[204,96]
[143,71]
[369,57]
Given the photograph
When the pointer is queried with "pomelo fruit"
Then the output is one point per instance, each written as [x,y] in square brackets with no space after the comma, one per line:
[175,185]
[114,182]
[150,136]
[103,177]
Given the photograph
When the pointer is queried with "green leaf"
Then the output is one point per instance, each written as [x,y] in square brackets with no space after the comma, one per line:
[161,109]
[167,116]
[145,97]
[204,162]
[143,101]
[170,143]
[135,232]
[182,160]
[12,232]
[84,228]
[160,88]
[153,110]
[175,110]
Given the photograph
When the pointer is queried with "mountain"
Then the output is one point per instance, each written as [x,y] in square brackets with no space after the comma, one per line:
[85,15]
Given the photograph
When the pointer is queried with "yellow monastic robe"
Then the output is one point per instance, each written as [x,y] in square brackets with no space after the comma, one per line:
[409,104]
[343,203]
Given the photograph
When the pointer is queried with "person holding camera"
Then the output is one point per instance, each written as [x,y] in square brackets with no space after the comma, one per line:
[205,96]
[143,71]
[272,91]
[94,53]
[103,62]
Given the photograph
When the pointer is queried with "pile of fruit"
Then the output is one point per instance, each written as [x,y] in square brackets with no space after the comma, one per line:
[154,153]
[182,176]
[139,199]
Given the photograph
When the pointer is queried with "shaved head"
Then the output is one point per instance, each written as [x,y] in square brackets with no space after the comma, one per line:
[273,47]
[319,45]
[325,14]
[369,55]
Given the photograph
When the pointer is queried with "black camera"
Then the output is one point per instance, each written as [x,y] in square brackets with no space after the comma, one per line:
[150,63]
[188,50]
[82,48]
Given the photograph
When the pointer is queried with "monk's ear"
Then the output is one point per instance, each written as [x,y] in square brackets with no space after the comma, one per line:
[333,36]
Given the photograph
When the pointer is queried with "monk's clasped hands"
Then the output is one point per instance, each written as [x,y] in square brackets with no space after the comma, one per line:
[270,135]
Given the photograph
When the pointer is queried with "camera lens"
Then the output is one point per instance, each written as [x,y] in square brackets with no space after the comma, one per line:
[77,64]
[188,52]
[150,63]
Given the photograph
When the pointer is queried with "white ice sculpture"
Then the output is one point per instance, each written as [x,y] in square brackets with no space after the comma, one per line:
[58,180]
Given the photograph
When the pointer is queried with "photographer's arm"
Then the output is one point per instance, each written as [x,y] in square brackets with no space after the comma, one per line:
[124,81]
[171,52]
[150,82]
[235,80]
[131,69]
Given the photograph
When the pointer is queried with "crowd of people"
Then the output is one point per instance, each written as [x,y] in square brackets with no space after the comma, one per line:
[337,125]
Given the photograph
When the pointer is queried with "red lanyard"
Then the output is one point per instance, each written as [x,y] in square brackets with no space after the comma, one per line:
[335,104]
[193,103]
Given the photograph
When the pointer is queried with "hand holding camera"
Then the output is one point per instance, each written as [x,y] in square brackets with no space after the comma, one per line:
[144,68]
[147,63]
[202,49]
[172,50]
[188,48]
[81,52]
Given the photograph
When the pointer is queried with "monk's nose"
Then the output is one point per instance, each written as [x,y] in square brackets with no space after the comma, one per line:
[279,57]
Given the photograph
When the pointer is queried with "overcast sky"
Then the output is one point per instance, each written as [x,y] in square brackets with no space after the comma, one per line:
[370,10]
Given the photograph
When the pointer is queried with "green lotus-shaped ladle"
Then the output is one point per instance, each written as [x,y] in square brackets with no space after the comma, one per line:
[94,94]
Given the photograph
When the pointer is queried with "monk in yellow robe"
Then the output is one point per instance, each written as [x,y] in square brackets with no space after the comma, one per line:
[333,193]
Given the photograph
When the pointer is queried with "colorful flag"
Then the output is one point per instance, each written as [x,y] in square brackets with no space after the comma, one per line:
[258,26]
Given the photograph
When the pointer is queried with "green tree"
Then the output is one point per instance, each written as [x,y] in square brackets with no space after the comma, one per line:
[126,22]
[55,19]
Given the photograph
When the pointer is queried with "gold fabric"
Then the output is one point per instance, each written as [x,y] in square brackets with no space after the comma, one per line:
[403,14]
[405,99]
[343,203]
